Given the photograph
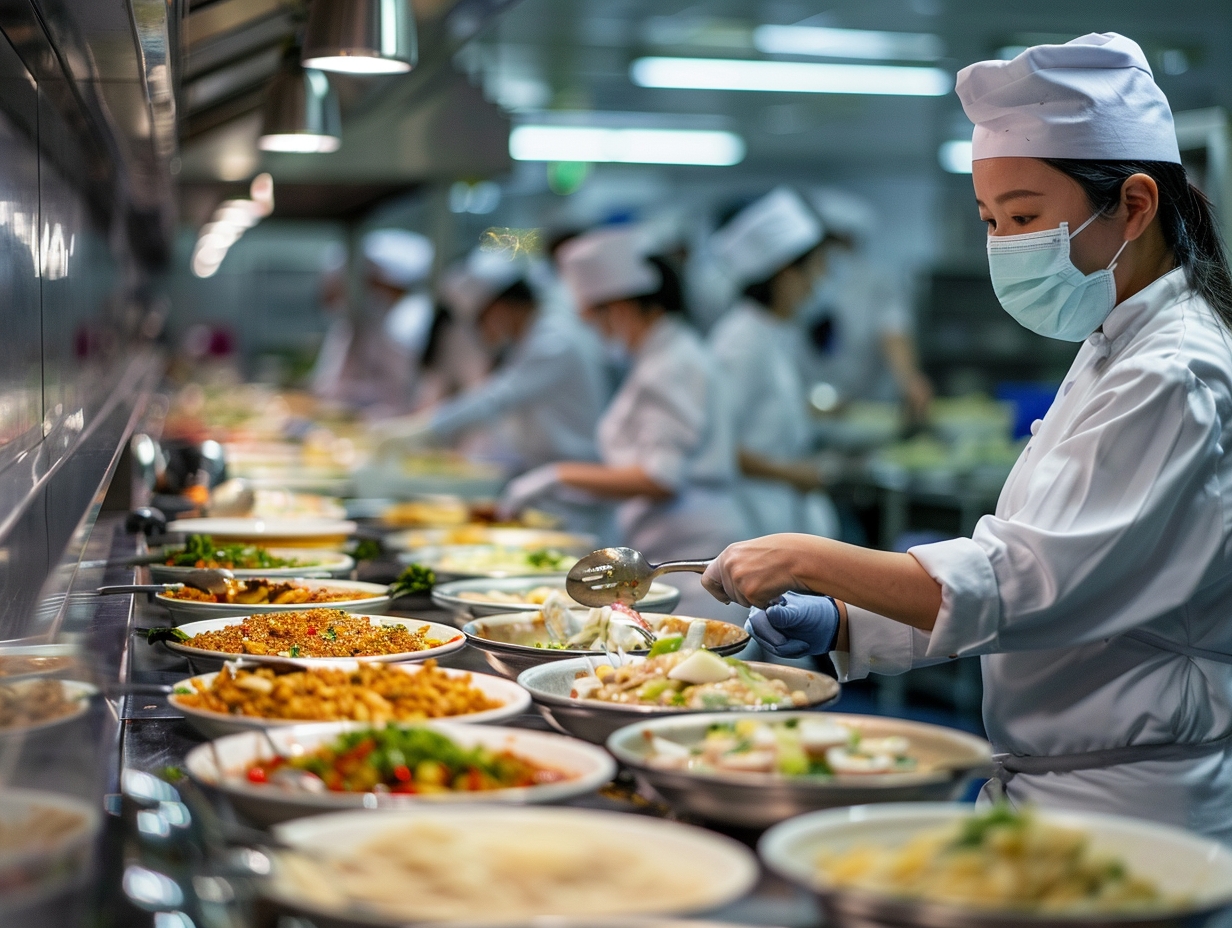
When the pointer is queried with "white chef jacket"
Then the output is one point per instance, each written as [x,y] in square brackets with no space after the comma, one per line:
[1099,595]
[756,352]
[672,417]
[553,388]
[864,303]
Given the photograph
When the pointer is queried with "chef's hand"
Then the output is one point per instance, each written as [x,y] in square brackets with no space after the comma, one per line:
[755,573]
[522,490]
[796,625]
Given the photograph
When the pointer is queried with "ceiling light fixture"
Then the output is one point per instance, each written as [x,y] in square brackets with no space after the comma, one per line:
[629,146]
[848,43]
[363,37]
[227,225]
[955,156]
[790,76]
[301,113]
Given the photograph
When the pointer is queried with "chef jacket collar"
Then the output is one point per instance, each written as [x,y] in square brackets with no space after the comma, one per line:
[1128,318]
[659,335]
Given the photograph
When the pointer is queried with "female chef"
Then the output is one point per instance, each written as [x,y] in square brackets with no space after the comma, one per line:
[771,248]
[666,440]
[1098,594]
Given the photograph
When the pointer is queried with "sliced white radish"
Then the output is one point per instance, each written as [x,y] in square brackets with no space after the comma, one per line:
[843,761]
[749,761]
[702,667]
[817,736]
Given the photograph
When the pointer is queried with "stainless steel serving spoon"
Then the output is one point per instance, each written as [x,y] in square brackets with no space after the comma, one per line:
[619,575]
[208,580]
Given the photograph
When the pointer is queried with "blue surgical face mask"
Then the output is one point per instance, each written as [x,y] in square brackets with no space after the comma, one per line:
[1038,285]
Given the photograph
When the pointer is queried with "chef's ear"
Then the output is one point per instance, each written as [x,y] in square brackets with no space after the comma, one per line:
[1140,201]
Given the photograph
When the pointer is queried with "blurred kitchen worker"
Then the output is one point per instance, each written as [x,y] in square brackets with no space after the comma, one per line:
[665,441]
[859,323]
[1097,595]
[549,391]
[384,339]
[770,249]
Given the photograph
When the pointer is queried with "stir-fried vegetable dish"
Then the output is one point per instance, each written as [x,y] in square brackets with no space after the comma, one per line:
[376,693]
[795,748]
[685,678]
[200,551]
[408,760]
[503,559]
[997,859]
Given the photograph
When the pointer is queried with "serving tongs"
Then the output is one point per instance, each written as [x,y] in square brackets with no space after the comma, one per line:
[620,575]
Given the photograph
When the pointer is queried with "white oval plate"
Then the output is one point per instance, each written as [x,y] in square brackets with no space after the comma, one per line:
[254,530]
[529,538]
[73,690]
[453,640]
[715,870]
[309,561]
[373,601]
[1179,862]
[661,597]
[588,768]
[216,724]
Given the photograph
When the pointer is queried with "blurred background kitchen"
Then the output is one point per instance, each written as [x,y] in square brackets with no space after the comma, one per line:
[391,262]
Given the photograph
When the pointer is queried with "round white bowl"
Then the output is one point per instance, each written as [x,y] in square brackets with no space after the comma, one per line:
[587,767]
[593,720]
[728,869]
[661,598]
[515,642]
[453,640]
[310,562]
[1180,863]
[514,701]
[759,800]
[371,599]
[304,533]
[74,690]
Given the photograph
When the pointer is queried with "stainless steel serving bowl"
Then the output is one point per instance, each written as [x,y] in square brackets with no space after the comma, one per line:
[549,685]
[517,642]
[948,759]
[662,597]
[1193,869]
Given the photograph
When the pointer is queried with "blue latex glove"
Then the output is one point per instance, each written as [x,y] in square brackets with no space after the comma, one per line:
[795,625]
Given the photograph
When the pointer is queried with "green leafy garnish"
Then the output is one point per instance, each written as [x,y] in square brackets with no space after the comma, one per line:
[330,634]
[415,580]
[294,652]
[182,691]
[200,549]
[171,774]
[367,549]
[667,645]
[155,635]
[975,829]
[546,558]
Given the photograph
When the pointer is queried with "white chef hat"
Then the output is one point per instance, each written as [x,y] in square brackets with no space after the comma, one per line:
[1093,98]
[844,213]
[470,286]
[401,258]
[608,264]
[766,236]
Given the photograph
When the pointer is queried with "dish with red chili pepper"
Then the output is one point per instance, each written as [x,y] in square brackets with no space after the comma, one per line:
[395,759]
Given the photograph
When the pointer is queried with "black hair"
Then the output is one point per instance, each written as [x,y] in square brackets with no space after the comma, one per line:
[517,292]
[1185,217]
[763,290]
[669,296]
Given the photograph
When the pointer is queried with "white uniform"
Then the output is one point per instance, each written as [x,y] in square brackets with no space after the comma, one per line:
[1100,594]
[860,306]
[671,417]
[756,353]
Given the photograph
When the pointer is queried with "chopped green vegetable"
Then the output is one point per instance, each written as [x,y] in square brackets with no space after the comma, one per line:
[294,652]
[667,645]
[183,691]
[171,774]
[416,579]
[200,550]
[155,635]
[367,549]
[546,557]
[976,829]
[330,634]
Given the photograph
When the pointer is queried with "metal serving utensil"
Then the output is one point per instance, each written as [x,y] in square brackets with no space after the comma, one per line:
[208,580]
[619,575]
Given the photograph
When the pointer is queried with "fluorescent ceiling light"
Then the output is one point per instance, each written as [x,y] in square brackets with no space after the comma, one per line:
[300,142]
[848,43]
[357,64]
[955,156]
[790,76]
[631,146]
